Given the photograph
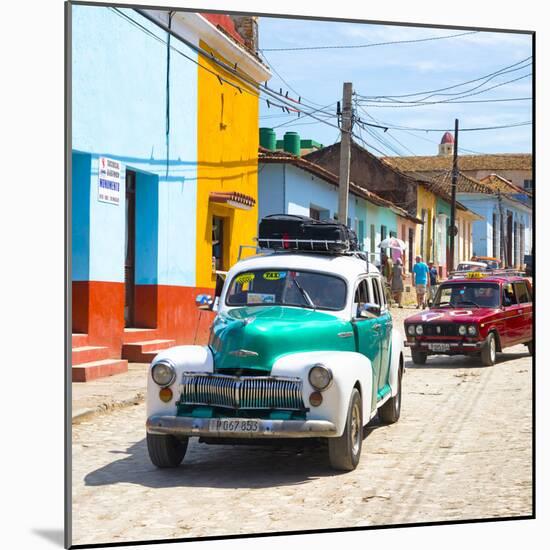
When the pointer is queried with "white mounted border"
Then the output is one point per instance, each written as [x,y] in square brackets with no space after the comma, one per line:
[194,27]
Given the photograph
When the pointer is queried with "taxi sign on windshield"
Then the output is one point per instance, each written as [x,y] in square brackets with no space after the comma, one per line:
[474,275]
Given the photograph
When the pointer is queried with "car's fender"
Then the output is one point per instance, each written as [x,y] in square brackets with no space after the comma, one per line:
[348,368]
[182,358]
[396,353]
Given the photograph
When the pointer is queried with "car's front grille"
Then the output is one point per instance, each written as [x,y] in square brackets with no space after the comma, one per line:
[242,392]
[442,329]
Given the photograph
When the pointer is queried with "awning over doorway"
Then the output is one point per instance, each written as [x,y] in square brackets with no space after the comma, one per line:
[233,199]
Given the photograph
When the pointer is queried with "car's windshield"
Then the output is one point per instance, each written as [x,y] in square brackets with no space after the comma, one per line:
[468,294]
[287,287]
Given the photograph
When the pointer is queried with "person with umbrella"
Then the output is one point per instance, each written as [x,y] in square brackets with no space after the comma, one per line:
[387,264]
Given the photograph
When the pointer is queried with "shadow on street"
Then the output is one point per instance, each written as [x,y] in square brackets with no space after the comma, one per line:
[224,466]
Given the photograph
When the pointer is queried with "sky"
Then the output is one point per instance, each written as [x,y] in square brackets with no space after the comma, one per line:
[397,69]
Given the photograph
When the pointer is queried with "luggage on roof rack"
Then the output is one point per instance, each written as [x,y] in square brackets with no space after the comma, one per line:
[292,232]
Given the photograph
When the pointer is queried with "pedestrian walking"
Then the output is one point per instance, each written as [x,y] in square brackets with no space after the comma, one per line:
[398,275]
[421,281]
[434,281]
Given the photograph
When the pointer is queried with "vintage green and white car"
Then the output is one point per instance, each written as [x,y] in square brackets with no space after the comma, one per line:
[302,347]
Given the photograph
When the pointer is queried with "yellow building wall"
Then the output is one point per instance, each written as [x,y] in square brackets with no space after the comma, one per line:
[425,200]
[227,153]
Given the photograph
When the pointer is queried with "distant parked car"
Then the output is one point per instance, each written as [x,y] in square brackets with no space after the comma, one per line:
[490,262]
[470,265]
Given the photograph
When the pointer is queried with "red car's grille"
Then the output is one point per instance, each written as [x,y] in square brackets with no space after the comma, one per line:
[441,329]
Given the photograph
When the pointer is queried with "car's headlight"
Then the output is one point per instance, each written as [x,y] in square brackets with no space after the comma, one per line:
[472,330]
[419,329]
[163,374]
[320,377]
[410,330]
[462,330]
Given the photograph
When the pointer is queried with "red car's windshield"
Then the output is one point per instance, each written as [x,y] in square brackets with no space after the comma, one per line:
[468,294]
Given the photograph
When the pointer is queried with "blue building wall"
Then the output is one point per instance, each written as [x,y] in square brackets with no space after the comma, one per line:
[119,94]
[483,230]
[271,189]
[82,166]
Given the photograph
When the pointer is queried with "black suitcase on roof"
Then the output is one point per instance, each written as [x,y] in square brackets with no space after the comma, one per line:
[294,232]
[279,226]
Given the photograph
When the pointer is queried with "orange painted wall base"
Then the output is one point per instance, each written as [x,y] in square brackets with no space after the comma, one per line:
[172,311]
[98,311]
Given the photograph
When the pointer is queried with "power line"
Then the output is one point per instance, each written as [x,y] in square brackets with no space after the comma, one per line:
[499,100]
[503,70]
[272,67]
[371,45]
[461,93]
[293,121]
[374,103]
[409,132]
[389,127]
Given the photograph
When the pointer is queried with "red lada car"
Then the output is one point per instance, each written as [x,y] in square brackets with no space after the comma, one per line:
[475,315]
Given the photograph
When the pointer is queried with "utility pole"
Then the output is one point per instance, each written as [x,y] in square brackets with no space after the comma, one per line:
[345,154]
[454,178]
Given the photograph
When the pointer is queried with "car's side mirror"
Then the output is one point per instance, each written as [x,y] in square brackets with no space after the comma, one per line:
[204,302]
[369,311]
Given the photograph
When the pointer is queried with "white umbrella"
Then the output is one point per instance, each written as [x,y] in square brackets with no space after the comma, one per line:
[393,242]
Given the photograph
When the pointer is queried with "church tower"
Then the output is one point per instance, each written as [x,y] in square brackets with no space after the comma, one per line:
[447,145]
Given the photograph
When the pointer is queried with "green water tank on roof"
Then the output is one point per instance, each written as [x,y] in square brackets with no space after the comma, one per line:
[268,138]
[292,143]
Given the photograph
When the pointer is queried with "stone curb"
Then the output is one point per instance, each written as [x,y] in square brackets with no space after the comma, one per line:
[81,414]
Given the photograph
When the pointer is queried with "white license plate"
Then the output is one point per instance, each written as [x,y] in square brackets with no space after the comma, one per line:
[230,425]
[439,347]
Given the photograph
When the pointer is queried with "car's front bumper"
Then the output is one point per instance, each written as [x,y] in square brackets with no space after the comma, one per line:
[454,347]
[268,429]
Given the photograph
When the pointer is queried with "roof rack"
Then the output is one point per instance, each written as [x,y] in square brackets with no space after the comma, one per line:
[305,245]
[323,248]
[510,272]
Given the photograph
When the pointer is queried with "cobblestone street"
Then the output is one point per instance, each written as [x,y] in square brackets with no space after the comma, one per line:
[461,450]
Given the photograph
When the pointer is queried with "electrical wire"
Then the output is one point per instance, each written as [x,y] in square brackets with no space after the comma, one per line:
[381,125]
[499,72]
[272,67]
[374,103]
[370,45]
[389,127]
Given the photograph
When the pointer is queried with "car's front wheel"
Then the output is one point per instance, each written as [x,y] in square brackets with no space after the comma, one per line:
[489,351]
[166,451]
[390,411]
[344,451]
